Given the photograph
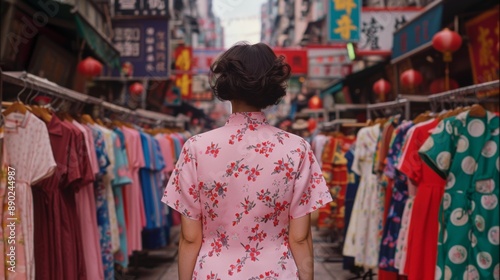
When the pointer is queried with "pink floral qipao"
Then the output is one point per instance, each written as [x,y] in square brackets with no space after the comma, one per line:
[245,181]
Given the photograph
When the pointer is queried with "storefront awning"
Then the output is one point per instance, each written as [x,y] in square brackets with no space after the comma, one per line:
[417,34]
[102,47]
[332,88]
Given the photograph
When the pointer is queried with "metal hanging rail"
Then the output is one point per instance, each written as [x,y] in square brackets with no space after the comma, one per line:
[24,79]
[337,108]
[400,103]
[461,95]
[465,90]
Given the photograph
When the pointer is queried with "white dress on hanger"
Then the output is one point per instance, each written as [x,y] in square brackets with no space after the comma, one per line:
[363,234]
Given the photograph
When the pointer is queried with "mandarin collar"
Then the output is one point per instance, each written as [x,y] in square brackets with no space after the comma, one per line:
[491,120]
[244,118]
[15,120]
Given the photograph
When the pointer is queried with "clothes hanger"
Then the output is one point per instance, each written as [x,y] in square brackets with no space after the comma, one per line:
[37,110]
[17,106]
[477,110]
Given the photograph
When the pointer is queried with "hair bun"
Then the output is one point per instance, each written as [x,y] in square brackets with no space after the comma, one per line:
[260,86]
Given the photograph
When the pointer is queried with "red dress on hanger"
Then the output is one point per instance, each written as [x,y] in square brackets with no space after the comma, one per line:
[423,229]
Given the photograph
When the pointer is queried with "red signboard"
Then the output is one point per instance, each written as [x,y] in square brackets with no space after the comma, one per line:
[297,59]
[482,32]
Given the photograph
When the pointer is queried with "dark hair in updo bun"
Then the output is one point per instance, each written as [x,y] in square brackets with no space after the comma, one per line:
[251,73]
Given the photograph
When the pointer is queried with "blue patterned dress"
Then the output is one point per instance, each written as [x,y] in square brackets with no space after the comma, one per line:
[121,179]
[398,201]
[102,206]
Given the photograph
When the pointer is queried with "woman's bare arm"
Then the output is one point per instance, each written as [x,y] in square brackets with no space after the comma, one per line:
[189,246]
[301,246]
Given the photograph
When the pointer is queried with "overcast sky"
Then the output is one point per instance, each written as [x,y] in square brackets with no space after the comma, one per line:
[240,19]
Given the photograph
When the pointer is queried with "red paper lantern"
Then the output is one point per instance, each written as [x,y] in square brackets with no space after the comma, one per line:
[382,87]
[315,103]
[447,42]
[312,124]
[136,88]
[411,78]
[439,85]
[89,67]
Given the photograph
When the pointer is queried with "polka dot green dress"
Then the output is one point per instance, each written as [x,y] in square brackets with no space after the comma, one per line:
[464,150]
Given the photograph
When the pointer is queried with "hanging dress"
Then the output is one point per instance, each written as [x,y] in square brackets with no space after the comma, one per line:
[464,150]
[363,235]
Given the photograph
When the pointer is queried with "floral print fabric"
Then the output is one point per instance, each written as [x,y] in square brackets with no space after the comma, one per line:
[245,181]
[397,202]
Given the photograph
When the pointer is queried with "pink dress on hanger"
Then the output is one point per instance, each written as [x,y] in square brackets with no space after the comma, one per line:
[85,202]
[245,181]
[135,215]
[28,150]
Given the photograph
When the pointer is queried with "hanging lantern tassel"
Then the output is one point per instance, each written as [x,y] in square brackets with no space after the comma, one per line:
[447,42]
[381,88]
[136,88]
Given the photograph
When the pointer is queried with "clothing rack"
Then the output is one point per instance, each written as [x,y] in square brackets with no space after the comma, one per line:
[338,108]
[41,85]
[397,104]
[460,94]
[337,122]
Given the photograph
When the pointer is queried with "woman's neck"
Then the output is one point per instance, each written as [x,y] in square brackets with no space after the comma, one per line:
[239,106]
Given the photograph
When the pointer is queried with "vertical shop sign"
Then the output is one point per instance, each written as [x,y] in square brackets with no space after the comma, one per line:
[183,57]
[483,34]
[140,7]
[343,20]
[378,26]
[143,43]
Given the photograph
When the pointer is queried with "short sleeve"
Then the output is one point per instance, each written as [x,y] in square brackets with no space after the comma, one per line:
[73,162]
[437,151]
[43,163]
[121,169]
[84,161]
[310,191]
[358,154]
[410,162]
[182,192]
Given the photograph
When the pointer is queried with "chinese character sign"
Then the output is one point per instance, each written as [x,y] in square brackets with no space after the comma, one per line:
[140,7]
[483,34]
[328,63]
[143,44]
[183,57]
[378,26]
[343,20]
[417,32]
